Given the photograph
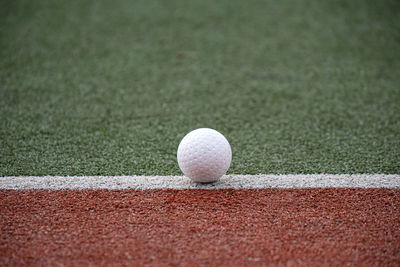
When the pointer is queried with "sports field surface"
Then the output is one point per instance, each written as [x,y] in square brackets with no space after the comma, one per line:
[110,87]
[95,97]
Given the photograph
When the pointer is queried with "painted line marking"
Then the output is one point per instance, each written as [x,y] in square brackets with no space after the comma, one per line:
[181,182]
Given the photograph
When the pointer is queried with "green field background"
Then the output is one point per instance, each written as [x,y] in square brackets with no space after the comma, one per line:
[111,87]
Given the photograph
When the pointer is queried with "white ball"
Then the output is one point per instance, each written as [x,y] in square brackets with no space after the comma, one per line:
[204,155]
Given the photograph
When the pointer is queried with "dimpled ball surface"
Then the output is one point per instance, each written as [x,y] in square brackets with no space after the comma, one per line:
[204,155]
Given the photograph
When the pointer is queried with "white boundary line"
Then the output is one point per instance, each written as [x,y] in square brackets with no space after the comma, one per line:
[180,182]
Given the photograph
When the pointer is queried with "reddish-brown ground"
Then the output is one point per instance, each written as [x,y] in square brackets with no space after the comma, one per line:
[310,227]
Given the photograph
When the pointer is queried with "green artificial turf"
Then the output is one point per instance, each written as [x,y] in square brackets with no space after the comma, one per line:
[111,87]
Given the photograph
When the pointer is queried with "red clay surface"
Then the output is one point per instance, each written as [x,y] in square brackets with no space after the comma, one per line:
[309,227]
